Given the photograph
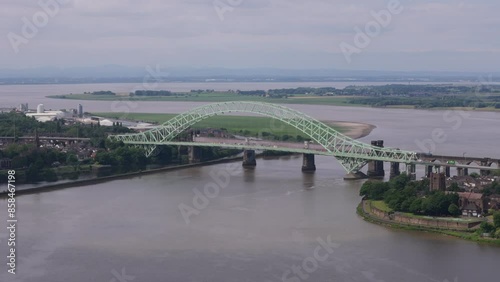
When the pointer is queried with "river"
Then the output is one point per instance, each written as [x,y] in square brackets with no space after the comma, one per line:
[258,224]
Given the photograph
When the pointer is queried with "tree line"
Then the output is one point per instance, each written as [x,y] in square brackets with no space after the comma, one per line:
[403,195]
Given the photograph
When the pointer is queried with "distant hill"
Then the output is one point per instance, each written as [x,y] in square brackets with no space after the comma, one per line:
[115,73]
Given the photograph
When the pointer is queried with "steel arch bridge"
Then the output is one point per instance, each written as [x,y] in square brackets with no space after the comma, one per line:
[351,154]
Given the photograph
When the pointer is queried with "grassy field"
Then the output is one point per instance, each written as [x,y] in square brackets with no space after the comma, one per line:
[214,97]
[245,125]
[292,99]
[381,205]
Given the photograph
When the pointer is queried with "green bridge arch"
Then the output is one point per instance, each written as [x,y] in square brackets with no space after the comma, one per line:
[352,154]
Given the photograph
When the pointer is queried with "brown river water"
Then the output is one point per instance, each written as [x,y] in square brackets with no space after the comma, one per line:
[272,223]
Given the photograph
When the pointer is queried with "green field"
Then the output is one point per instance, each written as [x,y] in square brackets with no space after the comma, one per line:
[245,125]
[381,205]
[391,96]
[214,97]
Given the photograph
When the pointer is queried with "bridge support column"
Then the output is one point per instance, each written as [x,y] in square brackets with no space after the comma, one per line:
[249,158]
[308,164]
[376,168]
[447,171]
[462,171]
[194,154]
[394,170]
[411,171]
[428,171]
[484,172]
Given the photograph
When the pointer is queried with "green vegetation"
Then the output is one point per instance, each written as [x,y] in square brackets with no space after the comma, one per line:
[467,235]
[496,219]
[263,127]
[401,194]
[148,93]
[426,96]
[486,97]
[413,199]
[381,205]
[492,189]
[491,228]
[35,164]
[108,93]
[211,97]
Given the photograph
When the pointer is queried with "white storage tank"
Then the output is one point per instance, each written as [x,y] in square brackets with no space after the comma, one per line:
[40,109]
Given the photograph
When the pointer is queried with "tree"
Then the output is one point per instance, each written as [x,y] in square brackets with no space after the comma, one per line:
[496,219]
[497,233]
[486,227]
[50,175]
[399,182]
[374,190]
[454,210]
[454,187]
[406,204]
[33,174]
[416,206]
[72,160]
[474,175]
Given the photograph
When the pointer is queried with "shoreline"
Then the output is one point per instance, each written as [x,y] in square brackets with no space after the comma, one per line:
[307,101]
[97,180]
[352,129]
[460,234]
[355,130]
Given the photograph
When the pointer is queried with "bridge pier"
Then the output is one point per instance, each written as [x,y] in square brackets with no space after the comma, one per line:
[462,171]
[411,171]
[394,170]
[194,154]
[447,171]
[376,168]
[249,158]
[308,164]
[428,171]
[484,172]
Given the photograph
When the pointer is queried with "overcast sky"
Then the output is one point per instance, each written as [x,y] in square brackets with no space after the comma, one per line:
[424,35]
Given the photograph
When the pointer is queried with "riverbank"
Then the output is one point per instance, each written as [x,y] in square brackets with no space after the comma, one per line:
[337,100]
[351,129]
[250,124]
[364,209]
[354,130]
[98,180]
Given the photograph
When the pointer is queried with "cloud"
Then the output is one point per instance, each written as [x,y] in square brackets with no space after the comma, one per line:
[272,33]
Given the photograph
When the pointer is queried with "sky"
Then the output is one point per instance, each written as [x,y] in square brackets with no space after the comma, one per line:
[401,35]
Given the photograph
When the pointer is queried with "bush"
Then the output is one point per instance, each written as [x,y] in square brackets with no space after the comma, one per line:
[454,210]
[496,219]
[474,175]
[50,175]
[497,234]
[487,227]
[374,190]
[416,206]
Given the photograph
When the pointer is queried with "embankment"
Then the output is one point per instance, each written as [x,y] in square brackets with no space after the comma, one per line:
[85,182]
[460,229]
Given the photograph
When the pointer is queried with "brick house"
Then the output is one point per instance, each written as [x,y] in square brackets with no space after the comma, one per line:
[472,204]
